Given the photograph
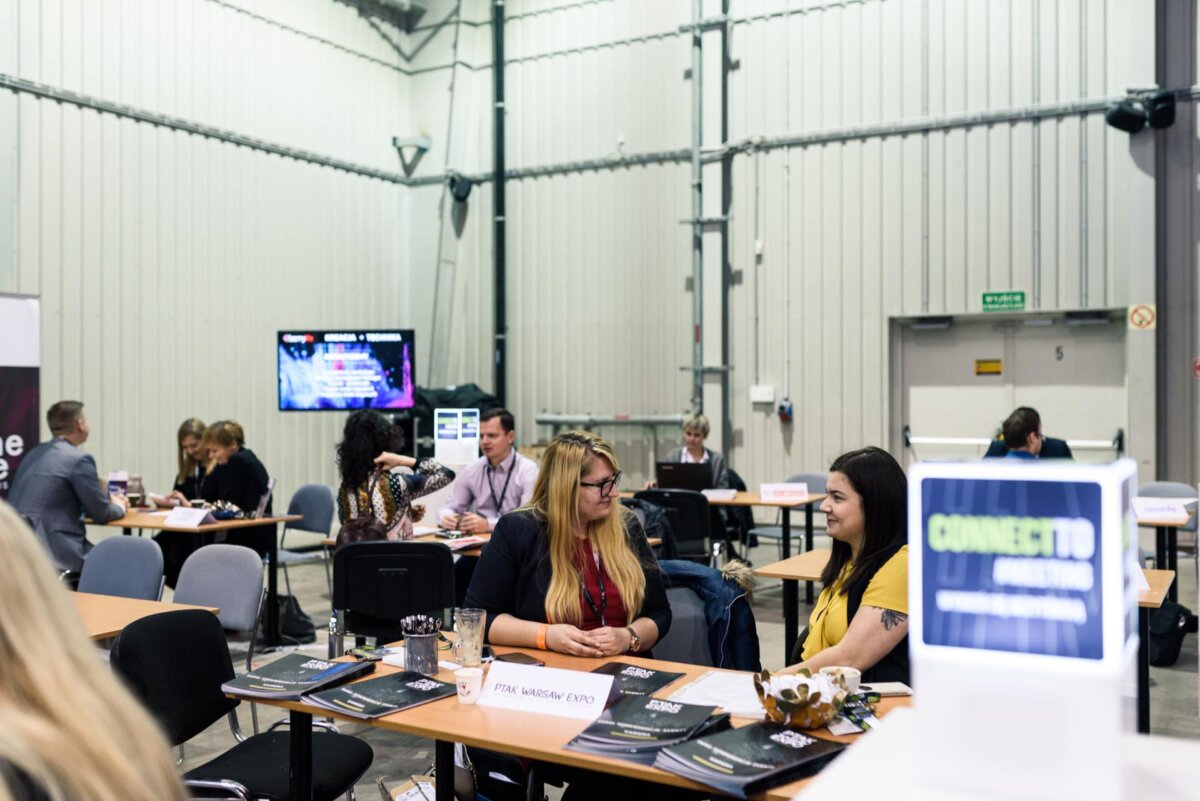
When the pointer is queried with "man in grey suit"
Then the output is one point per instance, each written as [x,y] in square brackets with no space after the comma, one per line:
[57,483]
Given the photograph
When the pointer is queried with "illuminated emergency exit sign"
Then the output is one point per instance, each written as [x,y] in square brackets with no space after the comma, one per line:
[1003,301]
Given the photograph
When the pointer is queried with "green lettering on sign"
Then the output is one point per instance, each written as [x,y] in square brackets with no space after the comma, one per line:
[1003,301]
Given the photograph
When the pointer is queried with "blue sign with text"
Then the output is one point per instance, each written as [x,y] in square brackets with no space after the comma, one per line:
[1012,565]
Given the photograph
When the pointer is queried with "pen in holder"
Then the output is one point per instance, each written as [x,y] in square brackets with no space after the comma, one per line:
[420,644]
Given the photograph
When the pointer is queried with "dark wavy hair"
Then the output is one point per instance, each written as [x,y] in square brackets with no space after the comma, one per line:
[880,482]
[366,435]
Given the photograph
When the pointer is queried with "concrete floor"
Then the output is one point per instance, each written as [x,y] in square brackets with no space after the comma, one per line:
[1173,689]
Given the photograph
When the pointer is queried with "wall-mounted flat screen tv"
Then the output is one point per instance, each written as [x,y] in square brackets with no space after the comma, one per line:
[321,370]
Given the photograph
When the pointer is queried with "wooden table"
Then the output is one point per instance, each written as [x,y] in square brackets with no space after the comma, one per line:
[808,567]
[107,616]
[1160,582]
[146,520]
[1166,546]
[473,551]
[533,736]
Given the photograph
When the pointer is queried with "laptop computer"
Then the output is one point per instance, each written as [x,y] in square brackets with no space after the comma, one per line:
[677,475]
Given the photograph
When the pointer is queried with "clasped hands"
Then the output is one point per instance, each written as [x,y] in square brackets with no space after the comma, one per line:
[604,641]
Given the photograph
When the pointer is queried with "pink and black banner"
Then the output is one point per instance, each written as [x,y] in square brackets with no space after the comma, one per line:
[20,420]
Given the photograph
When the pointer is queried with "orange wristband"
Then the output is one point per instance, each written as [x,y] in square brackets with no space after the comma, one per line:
[541,636]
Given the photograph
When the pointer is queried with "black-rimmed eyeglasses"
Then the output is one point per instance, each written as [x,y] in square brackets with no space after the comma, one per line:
[605,486]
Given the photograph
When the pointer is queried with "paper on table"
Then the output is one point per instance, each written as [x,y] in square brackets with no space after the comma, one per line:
[1165,509]
[733,692]
[719,494]
[182,517]
[396,659]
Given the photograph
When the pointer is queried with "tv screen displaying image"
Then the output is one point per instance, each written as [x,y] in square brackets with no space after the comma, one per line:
[321,370]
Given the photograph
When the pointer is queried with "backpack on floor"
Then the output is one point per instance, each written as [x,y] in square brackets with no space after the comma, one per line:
[1168,625]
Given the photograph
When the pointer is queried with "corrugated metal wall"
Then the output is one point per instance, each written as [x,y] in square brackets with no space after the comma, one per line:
[853,232]
[166,262]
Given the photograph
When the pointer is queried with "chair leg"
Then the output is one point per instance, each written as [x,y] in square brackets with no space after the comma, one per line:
[287,580]
[328,572]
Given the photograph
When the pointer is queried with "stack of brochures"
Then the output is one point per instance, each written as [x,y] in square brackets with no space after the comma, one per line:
[635,679]
[288,677]
[637,728]
[743,762]
[382,696]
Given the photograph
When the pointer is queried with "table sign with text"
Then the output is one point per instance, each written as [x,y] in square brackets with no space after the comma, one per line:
[183,517]
[1172,510]
[546,691]
[783,493]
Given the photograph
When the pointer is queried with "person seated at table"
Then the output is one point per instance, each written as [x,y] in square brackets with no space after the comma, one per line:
[693,451]
[56,484]
[236,475]
[71,729]
[177,546]
[861,617]
[1015,438]
[369,442]
[497,482]
[571,571]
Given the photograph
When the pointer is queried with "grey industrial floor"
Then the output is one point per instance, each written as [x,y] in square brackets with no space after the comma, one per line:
[1173,690]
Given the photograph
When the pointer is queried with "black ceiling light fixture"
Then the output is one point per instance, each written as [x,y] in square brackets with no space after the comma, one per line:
[1142,107]
[460,187]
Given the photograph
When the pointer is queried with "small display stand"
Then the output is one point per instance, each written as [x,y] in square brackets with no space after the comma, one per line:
[1023,636]
[455,435]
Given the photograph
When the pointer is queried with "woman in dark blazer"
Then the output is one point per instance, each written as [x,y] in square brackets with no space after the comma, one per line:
[237,476]
[572,572]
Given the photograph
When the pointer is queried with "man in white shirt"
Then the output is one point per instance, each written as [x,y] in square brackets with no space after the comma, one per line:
[495,484]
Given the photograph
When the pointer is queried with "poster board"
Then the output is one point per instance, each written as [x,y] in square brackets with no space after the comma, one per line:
[20,359]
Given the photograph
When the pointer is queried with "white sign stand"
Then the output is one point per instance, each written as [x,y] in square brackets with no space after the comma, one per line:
[546,691]
[455,435]
[1023,627]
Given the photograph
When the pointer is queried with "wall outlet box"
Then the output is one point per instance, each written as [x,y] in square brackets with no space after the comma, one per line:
[762,393]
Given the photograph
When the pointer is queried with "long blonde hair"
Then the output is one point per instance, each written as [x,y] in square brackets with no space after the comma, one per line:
[556,500]
[191,427]
[69,725]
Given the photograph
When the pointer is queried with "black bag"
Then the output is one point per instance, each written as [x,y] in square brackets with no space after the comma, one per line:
[295,627]
[365,527]
[1168,625]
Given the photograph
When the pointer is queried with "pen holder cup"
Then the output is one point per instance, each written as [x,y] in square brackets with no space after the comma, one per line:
[420,653]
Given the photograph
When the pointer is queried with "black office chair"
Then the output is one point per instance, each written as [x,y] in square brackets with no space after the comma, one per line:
[375,584]
[175,663]
[691,522]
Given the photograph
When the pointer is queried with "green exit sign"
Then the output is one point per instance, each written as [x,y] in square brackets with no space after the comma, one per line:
[1003,301]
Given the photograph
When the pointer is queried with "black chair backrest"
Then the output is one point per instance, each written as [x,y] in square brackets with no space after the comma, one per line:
[690,520]
[175,663]
[377,583]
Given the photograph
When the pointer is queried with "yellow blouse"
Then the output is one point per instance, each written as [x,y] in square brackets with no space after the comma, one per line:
[888,590]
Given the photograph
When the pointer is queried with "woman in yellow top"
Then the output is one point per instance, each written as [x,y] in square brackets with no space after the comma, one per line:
[861,618]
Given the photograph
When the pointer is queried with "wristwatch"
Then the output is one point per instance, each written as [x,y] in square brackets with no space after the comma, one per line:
[635,642]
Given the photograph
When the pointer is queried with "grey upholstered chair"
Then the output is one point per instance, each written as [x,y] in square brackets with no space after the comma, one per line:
[315,502]
[816,484]
[129,567]
[229,577]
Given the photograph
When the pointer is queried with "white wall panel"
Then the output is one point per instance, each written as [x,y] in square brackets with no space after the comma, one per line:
[166,262]
[864,229]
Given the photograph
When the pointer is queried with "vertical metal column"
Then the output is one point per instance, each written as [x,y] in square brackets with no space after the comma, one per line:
[499,236]
[726,206]
[697,215]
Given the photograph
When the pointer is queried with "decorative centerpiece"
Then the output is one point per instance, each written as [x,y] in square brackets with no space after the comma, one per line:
[224,510]
[801,700]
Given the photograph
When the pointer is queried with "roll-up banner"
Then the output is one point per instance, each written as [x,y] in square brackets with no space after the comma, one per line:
[19,364]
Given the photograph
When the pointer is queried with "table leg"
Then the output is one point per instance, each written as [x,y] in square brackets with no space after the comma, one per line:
[443,767]
[1160,547]
[272,635]
[128,532]
[301,765]
[808,546]
[1143,671]
[1173,562]
[786,547]
[791,614]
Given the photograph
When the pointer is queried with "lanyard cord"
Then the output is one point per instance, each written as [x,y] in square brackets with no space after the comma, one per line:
[512,468]
[587,596]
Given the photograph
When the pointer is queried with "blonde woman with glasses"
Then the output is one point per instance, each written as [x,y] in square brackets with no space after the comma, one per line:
[70,729]
[571,571]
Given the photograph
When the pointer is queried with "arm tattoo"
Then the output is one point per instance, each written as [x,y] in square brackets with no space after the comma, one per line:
[891,619]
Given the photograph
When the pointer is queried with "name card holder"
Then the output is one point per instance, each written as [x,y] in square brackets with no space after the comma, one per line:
[182,517]
[546,691]
[783,493]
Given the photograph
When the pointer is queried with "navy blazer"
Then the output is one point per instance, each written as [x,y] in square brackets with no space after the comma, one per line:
[513,576]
